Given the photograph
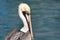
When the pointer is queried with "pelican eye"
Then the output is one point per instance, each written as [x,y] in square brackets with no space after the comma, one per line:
[25,12]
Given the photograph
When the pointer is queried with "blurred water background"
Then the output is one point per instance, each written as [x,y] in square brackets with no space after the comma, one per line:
[45,18]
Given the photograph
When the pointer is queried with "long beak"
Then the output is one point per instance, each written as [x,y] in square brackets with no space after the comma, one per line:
[31,27]
[30,24]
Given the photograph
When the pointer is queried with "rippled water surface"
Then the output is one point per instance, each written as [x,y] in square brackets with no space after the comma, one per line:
[45,18]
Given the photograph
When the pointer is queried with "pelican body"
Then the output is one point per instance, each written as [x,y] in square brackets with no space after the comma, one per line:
[25,33]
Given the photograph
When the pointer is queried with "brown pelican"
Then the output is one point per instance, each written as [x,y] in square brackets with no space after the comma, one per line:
[25,32]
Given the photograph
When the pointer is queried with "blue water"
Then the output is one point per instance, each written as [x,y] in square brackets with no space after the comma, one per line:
[45,18]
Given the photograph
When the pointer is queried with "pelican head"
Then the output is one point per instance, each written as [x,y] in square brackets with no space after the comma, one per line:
[25,9]
[24,13]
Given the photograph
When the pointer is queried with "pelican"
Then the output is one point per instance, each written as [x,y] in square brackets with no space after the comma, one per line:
[25,33]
